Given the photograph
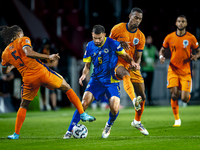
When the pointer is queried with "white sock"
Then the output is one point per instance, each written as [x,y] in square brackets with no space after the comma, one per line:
[136,122]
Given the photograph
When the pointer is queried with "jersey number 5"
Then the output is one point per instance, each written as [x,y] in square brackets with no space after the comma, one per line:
[17,57]
[100,60]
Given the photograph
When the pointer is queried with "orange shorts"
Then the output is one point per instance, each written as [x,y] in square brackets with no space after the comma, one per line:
[49,79]
[184,82]
[136,76]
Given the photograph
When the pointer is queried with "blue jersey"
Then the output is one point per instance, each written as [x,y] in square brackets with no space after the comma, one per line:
[104,59]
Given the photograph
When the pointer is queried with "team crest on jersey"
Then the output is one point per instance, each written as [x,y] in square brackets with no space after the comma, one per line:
[185,43]
[135,41]
[106,50]
[27,41]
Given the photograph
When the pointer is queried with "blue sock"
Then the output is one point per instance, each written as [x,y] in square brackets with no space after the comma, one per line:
[112,118]
[75,120]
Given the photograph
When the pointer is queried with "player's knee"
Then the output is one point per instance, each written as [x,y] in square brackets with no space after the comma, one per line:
[174,96]
[185,99]
[85,104]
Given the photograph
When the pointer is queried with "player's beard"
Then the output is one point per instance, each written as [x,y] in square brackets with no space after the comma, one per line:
[98,44]
[181,29]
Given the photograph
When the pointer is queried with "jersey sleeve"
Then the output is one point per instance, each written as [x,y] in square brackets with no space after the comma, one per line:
[26,42]
[141,44]
[166,42]
[113,32]
[119,49]
[4,62]
[194,43]
[87,57]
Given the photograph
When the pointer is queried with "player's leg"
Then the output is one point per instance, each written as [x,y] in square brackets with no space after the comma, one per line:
[28,92]
[123,73]
[88,98]
[139,90]
[174,104]
[185,96]
[114,103]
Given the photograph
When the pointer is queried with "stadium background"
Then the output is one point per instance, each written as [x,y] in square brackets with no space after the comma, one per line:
[68,24]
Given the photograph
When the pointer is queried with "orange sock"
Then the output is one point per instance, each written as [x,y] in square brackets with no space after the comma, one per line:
[138,114]
[21,115]
[73,98]
[128,86]
[175,109]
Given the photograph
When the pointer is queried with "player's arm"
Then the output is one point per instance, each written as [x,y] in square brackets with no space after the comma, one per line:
[197,55]
[130,60]
[161,55]
[32,54]
[7,69]
[86,70]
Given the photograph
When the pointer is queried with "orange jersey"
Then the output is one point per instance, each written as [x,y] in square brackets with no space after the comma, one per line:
[180,47]
[29,68]
[136,40]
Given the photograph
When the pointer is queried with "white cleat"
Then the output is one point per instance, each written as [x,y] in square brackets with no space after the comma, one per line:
[136,103]
[140,127]
[177,123]
[106,131]
[67,135]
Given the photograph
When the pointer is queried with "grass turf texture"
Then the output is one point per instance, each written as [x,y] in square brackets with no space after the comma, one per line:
[44,130]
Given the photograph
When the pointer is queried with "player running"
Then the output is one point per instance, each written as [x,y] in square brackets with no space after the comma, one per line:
[133,41]
[103,53]
[19,54]
[179,77]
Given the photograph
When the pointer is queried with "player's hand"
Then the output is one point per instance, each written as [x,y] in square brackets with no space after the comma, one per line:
[134,66]
[81,79]
[54,57]
[125,45]
[193,57]
[162,60]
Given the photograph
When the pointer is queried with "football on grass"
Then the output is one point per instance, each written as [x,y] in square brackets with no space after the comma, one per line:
[79,131]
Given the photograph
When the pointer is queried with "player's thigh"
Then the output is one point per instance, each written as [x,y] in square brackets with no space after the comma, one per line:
[52,80]
[114,103]
[121,71]
[139,90]
[29,89]
[174,92]
[87,99]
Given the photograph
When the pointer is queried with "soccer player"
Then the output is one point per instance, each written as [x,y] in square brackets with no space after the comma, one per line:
[133,41]
[19,54]
[103,53]
[179,77]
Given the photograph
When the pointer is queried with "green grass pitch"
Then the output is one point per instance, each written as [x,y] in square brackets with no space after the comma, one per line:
[44,130]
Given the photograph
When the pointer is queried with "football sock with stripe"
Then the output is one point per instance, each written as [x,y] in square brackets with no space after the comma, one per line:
[21,115]
[128,86]
[112,118]
[175,109]
[138,114]
[74,99]
[75,120]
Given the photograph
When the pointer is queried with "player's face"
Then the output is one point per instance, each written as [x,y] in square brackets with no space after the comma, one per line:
[98,38]
[20,34]
[135,19]
[181,23]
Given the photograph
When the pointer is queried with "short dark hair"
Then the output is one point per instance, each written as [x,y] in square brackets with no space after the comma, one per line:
[183,16]
[137,9]
[98,29]
[8,33]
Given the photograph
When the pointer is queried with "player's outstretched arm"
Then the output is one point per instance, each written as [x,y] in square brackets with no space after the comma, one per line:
[86,70]
[32,54]
[161,55]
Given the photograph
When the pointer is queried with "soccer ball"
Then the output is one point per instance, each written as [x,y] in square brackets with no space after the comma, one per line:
[79,131]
